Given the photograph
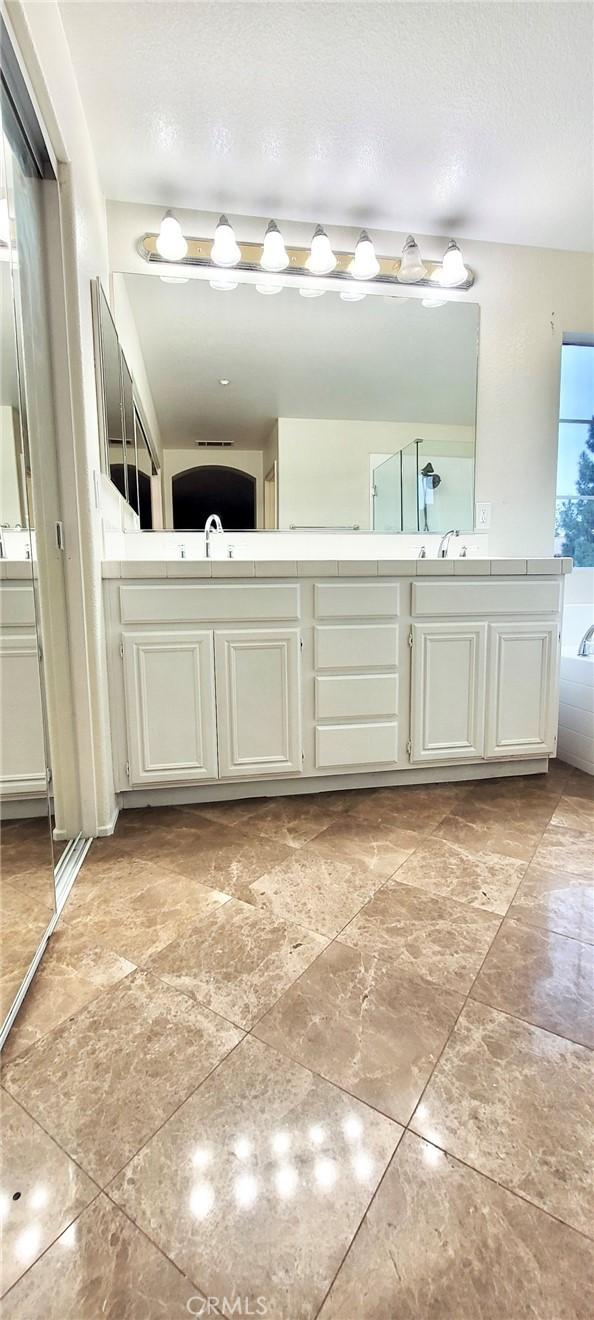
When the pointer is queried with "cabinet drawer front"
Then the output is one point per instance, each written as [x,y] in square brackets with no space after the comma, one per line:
[356,745]
[472,598]
[522,688]
[189,603]
[170,707]
[363,646]
[356,696]
[258,702]
[350,600]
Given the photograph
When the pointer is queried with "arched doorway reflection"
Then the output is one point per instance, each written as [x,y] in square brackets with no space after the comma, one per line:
[202,490]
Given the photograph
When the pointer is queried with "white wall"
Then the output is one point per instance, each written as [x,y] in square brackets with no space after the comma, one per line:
[528,297]
[324,465]
[179,460]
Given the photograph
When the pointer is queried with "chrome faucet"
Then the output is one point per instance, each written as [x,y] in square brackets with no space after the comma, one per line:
[212,524]
[444,544]
[584,647]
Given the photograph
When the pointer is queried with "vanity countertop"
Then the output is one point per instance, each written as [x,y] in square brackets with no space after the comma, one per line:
[290,568]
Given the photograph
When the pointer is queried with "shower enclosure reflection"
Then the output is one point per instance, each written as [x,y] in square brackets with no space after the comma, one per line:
[423,488]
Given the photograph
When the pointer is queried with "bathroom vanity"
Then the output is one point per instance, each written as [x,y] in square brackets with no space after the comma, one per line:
[236,678]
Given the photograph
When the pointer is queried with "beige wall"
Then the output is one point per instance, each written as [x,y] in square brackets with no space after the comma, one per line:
[324,465]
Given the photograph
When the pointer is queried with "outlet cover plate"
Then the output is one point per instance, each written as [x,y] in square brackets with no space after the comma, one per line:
[482,516]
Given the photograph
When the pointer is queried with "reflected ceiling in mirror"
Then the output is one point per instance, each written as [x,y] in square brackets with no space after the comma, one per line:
[342,414]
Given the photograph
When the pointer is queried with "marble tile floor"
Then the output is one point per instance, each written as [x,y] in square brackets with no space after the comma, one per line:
[326,1057]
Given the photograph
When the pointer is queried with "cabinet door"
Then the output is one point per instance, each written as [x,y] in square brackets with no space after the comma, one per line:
[22,760]
[170,707]
[448,691]
[522,688]
[258,701]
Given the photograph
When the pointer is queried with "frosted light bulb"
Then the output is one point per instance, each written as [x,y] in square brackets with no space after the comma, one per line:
[274,253]
[352,295]
[453,270]
[365,263]
[223,286]
[171,244]
[269,288]
[312,293]
[321,259]
[225,251]
[411,266]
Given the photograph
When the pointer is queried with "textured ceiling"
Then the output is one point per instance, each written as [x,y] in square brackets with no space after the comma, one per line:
[384,359]
[473,119]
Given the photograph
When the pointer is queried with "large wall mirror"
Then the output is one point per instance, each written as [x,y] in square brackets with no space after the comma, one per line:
[299,412]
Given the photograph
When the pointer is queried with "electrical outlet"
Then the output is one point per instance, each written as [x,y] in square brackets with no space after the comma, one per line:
[482,516]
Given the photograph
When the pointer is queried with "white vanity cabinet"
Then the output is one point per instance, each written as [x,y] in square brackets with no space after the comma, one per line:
[201,701]
[332,677]
[484,688]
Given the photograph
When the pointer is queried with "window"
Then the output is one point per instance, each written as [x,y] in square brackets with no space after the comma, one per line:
[574,522]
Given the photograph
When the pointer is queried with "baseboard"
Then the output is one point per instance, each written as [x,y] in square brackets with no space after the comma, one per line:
[195,793]
[105,830]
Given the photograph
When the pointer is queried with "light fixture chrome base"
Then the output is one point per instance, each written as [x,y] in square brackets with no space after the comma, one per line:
[198,254]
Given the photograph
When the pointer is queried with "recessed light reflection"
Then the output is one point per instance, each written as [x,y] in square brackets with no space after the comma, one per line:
[201,1157]
[201,1200]
[286,1179]
[281,1142]
[352,1127]
[245,1189]
[362,1165]
[39,1197]
[317,1135]
[432,1155]
[68,1239]
[325,1173]
[243,1148]
[27,1243]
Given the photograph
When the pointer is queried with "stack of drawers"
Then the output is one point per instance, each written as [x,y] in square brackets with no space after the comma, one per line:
[356,674]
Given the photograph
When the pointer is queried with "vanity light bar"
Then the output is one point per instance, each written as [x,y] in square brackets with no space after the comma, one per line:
[199,253]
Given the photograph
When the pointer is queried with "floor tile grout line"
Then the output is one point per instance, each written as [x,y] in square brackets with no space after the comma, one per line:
[147,1140]
[101,990]
[139,1229]
[511,1191]
[559,1035]
[52,1138]
[33,1263]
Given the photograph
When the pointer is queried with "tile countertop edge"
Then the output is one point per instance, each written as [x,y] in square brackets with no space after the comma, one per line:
[250,568]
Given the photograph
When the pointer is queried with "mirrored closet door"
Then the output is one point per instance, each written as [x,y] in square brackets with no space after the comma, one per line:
[27,850]
[41,847]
